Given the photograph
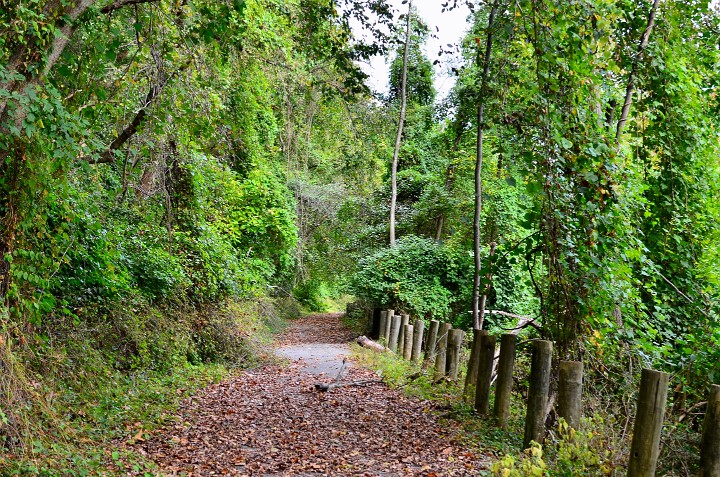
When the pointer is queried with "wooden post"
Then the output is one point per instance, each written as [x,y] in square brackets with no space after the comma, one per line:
[408,345]
[710,449]
[454,345]
[404,320]
[441,358]
[418,339]
[486,356]
[538,392]
[570,392]
[383,324]
[503,388]
[431,342]
[471,377]
[376,331]
[388,325]
[649,417]
[394,332]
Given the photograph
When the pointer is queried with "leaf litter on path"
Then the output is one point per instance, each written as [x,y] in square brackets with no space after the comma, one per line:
[271,421]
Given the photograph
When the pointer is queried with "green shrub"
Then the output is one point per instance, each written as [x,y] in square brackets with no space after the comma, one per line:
[416,275]
[312,294]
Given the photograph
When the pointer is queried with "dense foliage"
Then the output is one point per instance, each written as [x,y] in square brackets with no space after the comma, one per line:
[161,161]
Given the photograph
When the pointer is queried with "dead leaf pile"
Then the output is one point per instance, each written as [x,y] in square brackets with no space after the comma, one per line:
[271,421]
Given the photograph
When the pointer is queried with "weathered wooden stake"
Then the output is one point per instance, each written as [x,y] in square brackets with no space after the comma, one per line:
[538,392]
[649,418]
[383,324]
[486,356]
[441,358]
[418,339]
[394,333]
[408,345]
[503,388]
[710,449]
[570,392]
[454,345]
[404,320]
[431,341]
[471,377]
[388,325]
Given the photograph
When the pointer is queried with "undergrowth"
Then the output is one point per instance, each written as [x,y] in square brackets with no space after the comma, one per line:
[79,393]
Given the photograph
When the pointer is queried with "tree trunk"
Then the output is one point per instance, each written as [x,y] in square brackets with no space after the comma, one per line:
[633,71]
[401,123]
[477,319]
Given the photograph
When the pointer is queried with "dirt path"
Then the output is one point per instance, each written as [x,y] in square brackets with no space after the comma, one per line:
[271,421]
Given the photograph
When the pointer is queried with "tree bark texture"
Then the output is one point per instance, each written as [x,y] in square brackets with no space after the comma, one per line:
[404,321]
[407,346]
[394,333]
[431,341]
[454,346]
[710,448]
[441,358]
[471,377]
[503,388]
[540,370]
[649,417]
[570,392]
[383,324]
[418,340]
[486,355]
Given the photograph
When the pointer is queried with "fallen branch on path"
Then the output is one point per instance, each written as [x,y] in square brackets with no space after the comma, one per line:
[325,387]
[366,342]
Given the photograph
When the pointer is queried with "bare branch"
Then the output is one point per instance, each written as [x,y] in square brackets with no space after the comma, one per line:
[122,3]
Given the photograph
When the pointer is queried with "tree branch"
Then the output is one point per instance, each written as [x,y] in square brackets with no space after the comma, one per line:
[122,3]
[631,80]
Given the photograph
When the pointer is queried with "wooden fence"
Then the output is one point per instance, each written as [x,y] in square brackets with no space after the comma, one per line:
[441,346]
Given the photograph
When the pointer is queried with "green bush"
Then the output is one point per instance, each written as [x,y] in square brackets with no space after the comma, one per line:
[416,275]
[312,294]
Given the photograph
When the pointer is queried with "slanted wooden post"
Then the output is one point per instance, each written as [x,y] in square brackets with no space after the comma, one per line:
[649,418]
[538,392]
[710,449]
[471,377]
[394,333]
[486,355]
[418,339]
[383,324]
[404,320]
[407,346]
[431,341]
[454,345]
[441,358]
[503,388]
[570,392]
[388,325]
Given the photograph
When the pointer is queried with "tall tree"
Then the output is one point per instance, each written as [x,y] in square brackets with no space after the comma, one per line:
[401,123]
[478,314]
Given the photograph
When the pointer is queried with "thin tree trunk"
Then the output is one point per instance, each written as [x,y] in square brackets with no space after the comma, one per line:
[483,299]
[477,320]
[401,123]
[633,71]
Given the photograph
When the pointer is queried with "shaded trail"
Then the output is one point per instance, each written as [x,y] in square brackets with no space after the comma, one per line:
[271,421]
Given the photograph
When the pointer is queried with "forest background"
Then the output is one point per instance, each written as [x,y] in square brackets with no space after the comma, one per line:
[172,173]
